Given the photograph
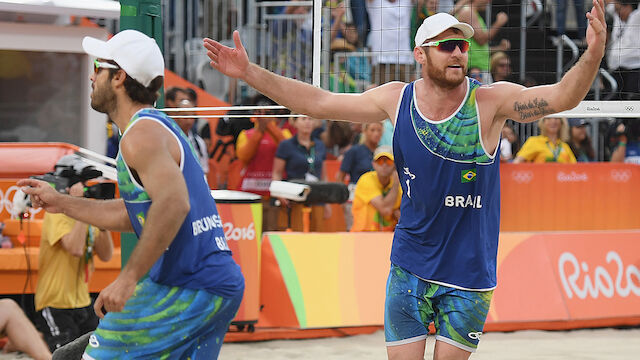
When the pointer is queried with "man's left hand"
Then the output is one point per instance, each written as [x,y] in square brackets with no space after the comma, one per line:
[113,297]
[597,29]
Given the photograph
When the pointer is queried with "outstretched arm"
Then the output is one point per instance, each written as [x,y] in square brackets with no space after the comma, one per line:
[529,104]
[105,214]
[374,105]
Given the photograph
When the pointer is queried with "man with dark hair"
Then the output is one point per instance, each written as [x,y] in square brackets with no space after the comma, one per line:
[174,95]
[177,97]
[446,137]
[183,308]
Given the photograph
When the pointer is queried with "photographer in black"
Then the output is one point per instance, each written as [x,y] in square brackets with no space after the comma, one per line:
[63,305]
[627,135]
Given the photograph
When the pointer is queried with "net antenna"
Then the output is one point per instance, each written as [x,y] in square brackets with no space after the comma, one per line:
[602,109]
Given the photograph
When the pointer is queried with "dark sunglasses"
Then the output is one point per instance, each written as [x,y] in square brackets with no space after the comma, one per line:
[383,160]
[450,45]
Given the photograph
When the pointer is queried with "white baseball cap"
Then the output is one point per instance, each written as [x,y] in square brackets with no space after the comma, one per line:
[136,53]
[434,25]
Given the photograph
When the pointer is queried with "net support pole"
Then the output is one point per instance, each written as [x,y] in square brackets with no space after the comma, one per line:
[523,38]
[317,31]
[146,17]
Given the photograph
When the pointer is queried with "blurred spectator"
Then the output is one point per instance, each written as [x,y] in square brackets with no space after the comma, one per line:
[500,67]
[356,129]
[360,18]
[337,138]
[64,308]
[357,161]
[174,95]
[580,142]
[426,8]
[475,73]
[376,203]
[479,49]
[197,143]
[256,148]
[550,146]
[628,149]
[301,157]
[338,14]
[387,133]
[581,19]
[623,53]
[22,335]
[113,139]
[509,143]
[422,10]
[390,37]
[345,82]
[357,66]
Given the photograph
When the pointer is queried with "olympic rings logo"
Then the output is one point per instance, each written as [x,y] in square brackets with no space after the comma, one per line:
[522,177]
[622,176]
[6,201]
[629,108]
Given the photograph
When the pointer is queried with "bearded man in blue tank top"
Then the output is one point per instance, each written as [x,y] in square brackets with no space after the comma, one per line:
[182,310]
[447,131]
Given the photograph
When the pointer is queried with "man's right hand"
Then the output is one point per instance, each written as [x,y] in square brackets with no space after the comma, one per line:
[231,62]
[42,195]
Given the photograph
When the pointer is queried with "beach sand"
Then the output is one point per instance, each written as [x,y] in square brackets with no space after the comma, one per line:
[521,345]
[613,344]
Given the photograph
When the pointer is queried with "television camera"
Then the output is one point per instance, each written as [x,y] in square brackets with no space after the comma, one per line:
[69,170]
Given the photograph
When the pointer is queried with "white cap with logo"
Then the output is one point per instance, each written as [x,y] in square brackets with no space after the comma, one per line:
[434,25]
[136,53]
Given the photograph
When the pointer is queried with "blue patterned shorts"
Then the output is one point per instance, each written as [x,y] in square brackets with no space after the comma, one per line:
[412,304]
[164,322]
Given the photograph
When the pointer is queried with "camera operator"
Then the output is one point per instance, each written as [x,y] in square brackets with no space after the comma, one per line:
[628,148]
[63,305]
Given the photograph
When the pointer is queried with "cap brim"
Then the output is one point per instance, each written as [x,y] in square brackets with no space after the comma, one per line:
[467,30]
[96,48]
[385,154]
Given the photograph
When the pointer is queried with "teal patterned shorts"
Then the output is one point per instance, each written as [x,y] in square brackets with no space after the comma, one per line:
[164,322]
[412,304]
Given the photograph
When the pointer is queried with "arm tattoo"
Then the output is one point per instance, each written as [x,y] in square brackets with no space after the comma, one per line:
[535,108]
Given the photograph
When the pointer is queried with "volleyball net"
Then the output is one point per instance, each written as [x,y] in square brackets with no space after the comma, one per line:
[352,45]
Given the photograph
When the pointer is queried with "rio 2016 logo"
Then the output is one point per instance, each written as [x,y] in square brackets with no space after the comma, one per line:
[236,233]
[627,279]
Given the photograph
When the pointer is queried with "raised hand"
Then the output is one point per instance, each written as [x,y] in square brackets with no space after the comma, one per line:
[231,62]
[502,18]
[597,29]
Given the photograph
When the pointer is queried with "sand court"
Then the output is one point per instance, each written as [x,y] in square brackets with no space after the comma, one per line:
[522,345]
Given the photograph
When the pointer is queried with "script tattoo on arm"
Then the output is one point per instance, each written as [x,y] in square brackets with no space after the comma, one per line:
[533,109]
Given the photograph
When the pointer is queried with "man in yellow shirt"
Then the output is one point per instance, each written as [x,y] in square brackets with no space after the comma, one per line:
[63,305]
[376,202]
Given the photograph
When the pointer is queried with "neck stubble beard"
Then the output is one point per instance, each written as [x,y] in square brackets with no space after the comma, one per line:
[439,77]
[103,100]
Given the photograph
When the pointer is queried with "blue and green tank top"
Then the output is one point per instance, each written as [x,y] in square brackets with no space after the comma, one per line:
[450,212]
[198,257]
